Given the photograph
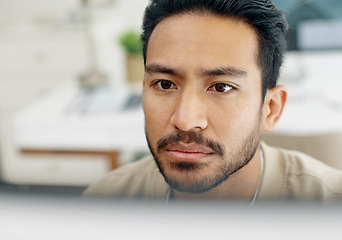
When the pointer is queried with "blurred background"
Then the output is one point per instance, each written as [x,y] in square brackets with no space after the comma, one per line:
[70,89]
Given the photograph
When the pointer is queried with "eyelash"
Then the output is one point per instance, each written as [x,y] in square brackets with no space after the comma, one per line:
[159,82]
[160,88]
[231,88]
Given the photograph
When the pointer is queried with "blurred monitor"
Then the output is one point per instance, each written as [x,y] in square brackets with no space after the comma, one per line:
[314,24]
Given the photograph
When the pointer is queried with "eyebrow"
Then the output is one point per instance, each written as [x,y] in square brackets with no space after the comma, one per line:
[230,71]
[156,68]
[222,71]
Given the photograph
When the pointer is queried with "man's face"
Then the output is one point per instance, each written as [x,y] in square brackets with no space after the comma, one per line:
[202,99]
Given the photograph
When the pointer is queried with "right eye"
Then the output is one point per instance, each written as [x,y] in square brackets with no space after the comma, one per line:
[164,85]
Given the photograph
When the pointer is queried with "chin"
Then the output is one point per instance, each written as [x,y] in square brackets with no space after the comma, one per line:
[192,177]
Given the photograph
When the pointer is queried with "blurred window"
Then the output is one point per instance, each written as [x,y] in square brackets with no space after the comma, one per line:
[314,25]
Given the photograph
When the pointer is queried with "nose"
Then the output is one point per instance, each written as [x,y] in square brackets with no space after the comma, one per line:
[190,112]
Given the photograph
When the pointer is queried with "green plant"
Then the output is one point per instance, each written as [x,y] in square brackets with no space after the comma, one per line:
[131,42]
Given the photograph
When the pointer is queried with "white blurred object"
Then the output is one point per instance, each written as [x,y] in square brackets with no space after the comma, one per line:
[55,122]
[98,3]
[43,47]
[93,77]
[312,118]
[314,102]
[320,35]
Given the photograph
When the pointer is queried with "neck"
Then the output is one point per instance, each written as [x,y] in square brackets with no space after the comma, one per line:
[240,185]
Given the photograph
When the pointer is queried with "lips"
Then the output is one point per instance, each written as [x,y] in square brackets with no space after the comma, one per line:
[187,152]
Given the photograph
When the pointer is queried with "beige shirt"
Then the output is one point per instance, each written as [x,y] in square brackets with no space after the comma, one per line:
[287,175]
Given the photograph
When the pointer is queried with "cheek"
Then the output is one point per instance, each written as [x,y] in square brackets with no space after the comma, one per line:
[232,121]
[156,117]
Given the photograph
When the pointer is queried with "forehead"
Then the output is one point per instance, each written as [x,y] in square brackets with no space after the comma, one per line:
[205,39]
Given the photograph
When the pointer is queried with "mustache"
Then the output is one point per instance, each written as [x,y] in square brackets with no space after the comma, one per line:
[190,137]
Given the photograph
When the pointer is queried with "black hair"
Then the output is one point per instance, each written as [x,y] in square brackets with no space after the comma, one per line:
[268,21]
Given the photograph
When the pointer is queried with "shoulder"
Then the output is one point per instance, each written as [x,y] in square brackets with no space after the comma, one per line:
[140,179]
[309,177]
[306,177]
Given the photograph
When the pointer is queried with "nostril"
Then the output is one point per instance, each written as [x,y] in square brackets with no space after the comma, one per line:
[190,112]
[189,120]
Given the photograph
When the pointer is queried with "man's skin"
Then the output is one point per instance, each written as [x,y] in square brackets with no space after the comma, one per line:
[203,81]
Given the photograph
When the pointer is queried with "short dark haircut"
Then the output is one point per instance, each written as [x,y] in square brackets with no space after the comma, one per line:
[268,21]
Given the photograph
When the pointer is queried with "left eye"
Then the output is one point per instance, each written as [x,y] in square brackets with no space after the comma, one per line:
[221,87]
[164,84]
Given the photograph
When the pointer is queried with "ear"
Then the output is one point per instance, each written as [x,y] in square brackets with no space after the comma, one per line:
[275,101]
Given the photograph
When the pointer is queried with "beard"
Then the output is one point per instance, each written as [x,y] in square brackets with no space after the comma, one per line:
[201,177]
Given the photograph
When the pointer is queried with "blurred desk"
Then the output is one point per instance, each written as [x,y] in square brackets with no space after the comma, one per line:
[71,121]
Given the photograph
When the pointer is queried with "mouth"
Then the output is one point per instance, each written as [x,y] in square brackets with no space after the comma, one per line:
[181,152]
